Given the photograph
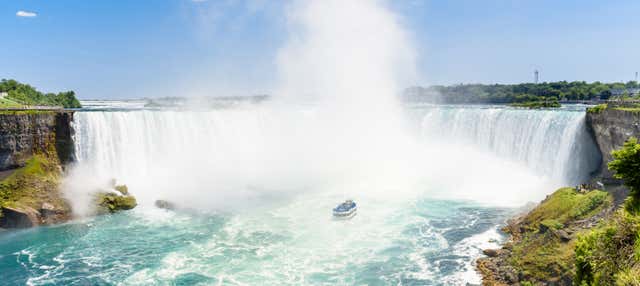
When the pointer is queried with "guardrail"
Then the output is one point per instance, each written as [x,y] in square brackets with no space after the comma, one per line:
[33,107]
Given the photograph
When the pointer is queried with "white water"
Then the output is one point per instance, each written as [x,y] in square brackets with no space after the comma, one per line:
[226,158]
[550,143]
[278,188]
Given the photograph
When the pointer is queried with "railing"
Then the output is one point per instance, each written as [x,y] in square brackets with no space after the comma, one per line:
[33,107]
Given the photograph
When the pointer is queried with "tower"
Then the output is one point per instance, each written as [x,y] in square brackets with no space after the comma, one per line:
[536,74]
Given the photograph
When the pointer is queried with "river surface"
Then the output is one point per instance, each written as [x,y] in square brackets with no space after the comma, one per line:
[246,218]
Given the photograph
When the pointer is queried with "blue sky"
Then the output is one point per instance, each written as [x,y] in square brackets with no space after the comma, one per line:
[127,49]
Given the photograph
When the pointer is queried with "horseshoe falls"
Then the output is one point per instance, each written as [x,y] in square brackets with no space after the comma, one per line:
[254,187]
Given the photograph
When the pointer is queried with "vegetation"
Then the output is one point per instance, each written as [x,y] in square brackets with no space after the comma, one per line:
[610,254]
[519,93]
[542,249]
[538,104]
[597,109]
[8,103]
[110,202]
[626,165]
[565,205]
[23,94]
[32,184]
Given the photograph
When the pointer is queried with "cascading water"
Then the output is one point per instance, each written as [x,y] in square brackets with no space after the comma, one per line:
[255,184]
[224,159]
[551,143]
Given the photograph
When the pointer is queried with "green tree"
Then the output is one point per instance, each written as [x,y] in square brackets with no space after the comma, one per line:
[626,165]
[28,95]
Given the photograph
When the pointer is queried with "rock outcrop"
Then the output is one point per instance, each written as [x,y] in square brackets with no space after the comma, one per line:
[34,148]
[26,133]
[611,127]
[119,199]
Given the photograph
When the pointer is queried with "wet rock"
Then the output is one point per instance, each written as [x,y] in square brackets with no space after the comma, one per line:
[50,214]
[491,252]
[112,202]
[162,204]
[122,189]
[14,217]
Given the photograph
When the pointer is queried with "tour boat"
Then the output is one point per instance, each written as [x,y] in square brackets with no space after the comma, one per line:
[345,210]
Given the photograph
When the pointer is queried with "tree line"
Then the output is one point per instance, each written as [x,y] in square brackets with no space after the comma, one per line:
[523,92]
[28,95]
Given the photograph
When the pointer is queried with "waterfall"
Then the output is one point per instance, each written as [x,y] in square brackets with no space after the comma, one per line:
[226,157]
[553,143]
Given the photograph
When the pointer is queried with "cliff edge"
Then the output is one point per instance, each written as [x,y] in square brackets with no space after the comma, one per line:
[34,148]
[611,125]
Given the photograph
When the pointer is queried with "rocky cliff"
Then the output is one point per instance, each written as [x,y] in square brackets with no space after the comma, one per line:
[34,148]
[612,126]
[26,133]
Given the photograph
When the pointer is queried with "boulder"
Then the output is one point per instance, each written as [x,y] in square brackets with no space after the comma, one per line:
[122,189]
[491,252]
[162,204]
[563,235]
[18,217]
[50,214]
[112,202]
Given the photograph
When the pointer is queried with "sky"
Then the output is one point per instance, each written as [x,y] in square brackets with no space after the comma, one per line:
[133,49]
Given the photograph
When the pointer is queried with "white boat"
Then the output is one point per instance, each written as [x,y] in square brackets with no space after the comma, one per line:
[345,210]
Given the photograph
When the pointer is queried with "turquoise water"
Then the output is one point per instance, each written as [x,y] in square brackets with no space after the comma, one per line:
[429,242]
[257,185]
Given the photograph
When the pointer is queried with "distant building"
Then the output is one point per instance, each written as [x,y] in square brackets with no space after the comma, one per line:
[622,91]
[3,94]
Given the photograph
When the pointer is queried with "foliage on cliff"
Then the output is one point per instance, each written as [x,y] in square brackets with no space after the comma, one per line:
[538,104]
[597,109]
[610,254]
[24,94]
[32,185]
[543,244]
[626,165]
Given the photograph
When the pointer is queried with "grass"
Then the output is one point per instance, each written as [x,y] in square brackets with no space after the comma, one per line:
[8,103]
[566,204]
[540,254]
[32,184]
[25,112]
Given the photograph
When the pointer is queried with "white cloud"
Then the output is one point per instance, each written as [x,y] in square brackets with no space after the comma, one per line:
[26,14]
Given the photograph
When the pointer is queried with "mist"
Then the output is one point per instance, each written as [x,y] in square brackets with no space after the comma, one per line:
[334,128]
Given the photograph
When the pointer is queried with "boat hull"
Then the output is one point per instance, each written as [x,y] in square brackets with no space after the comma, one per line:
[345,215]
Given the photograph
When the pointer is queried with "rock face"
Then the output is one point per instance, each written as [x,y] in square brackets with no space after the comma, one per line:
[25,133]
[611,127]
[18,217]
[34,148]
